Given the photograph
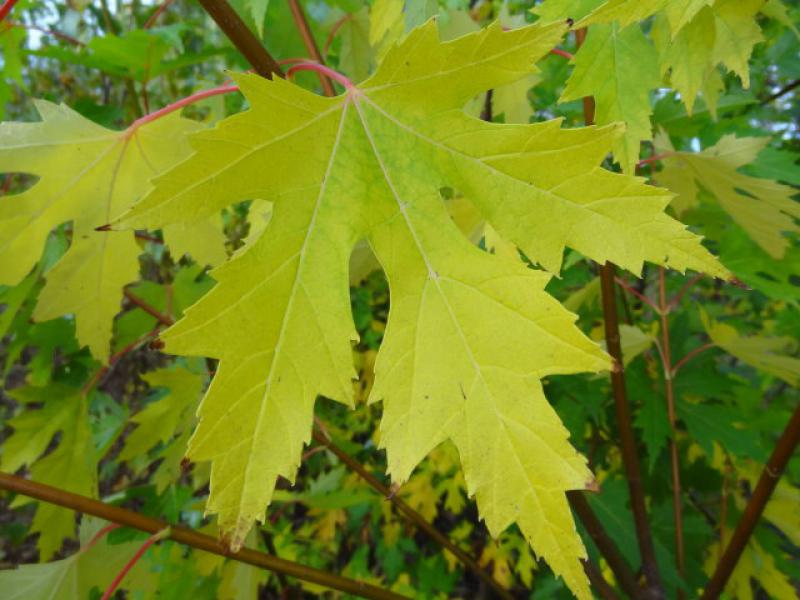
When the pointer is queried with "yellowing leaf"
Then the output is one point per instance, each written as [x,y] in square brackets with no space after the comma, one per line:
[763,353]
[619,67]
[757,564]
[763,208]
[736,34]
[680,12]
[686,54]
[204,241]
[624,12]
[469,334]
[72,466]
[88,174]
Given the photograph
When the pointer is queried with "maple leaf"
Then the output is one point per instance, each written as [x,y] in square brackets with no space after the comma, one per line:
[88,175]
[618,66]
[72,466]
[94,566]
[762,352]
[763,208]
[755,563]
[469,335]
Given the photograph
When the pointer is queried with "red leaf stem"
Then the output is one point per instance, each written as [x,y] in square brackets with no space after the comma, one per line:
[690,356]
[164,533]
[334,30]
[56,34]
[157,13]
[621,283]
[564,53]
[170,108]
[323,70]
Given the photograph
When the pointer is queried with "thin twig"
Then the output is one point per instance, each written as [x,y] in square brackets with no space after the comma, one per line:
[412,515]
[755,506]
[182,535]
[560,52]
[666,356]
[676,299]
[630,455]
[781,92]
[599,583]
[164,319]
[310,43]
[116,357]
[690,355]
[334,30]
[621,283]
[157,13]
[56,34]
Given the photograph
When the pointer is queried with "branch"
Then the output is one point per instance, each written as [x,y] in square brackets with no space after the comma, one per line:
[186,536]
[311,45]
[666,357]
[630,456]
[781,92]
[164,319]
[616,562]
[412,515]
[690,355]
[621,283]
[599,582]
[6,8]
[237,32]
[755,506]
[56,34]
[157,13]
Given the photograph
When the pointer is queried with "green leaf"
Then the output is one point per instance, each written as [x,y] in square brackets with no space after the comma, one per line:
[619,67]
[762,352]
[72,466]
[91,568]
[710,423]
[168,416]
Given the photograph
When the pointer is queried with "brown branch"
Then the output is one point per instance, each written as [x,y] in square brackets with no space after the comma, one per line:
[772,472]
[666,357]
[241,37]
[616,562]
[630,455]
[151,310]
[183,535]
[310,43]
[781,92]
[412,515]
[599,583]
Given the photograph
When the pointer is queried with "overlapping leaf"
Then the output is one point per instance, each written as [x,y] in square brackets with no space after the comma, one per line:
[763,208]
[470,334]
[88,175]
[72,466]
